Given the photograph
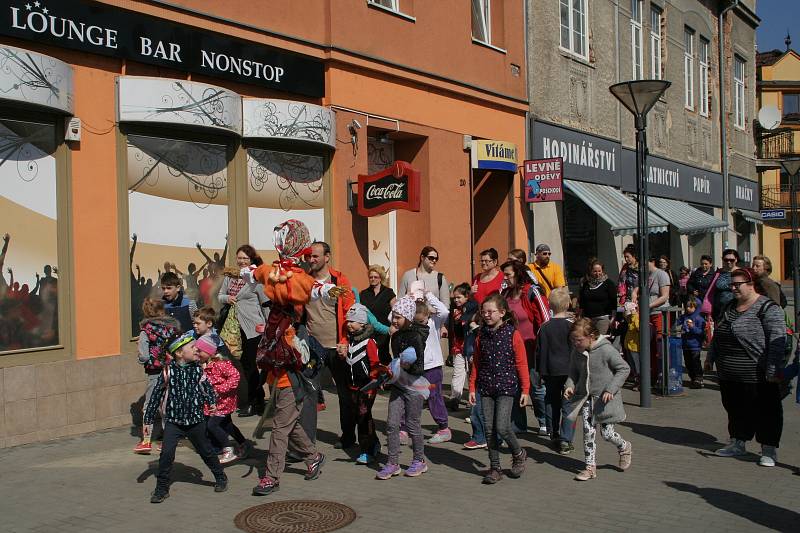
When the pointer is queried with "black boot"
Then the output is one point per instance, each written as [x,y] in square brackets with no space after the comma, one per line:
[221,483]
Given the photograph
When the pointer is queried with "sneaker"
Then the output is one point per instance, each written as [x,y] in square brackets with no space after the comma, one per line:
[468,420]
[266,485]
[143,448]
[158,496]
[443,435]
[769,455]
[416,468]
[315,467]
[590,472]
[492,477]
[221,484]
[474,445]
[625,456]
[403,437]
[388,471]
[227,456]
[363,459]
[518,464]
[734,449]
[543,431]
[696,384]
[564,447]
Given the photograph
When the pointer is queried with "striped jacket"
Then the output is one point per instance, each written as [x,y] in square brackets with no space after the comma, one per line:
[187,390]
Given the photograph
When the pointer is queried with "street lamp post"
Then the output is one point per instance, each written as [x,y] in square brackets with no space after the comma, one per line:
[639,97]
[792,167]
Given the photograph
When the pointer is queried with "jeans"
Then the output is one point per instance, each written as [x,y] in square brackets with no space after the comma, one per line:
[497,416]
[196,433]
[754,410]
[219,428]
[404,408]
[553,402]
[476,419]
[537,397]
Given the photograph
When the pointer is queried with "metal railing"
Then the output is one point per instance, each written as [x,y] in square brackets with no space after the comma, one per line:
[774,145]
[777,196]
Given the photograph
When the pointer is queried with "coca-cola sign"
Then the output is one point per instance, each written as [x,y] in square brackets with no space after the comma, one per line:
[395,187]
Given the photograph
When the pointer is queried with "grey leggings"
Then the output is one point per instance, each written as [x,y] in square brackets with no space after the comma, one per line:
[404,407]
[497,417]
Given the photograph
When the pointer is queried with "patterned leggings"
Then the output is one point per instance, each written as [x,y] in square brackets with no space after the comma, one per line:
[589,433]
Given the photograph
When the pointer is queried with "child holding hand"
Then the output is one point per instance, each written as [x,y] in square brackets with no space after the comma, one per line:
[596,375]
[499,373]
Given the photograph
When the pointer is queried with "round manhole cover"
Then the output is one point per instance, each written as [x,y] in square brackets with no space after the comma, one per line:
[295,516]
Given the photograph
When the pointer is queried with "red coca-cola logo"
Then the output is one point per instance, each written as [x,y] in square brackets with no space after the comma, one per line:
[395,187]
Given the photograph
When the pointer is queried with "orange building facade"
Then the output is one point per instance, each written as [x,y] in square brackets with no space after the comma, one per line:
[197,126]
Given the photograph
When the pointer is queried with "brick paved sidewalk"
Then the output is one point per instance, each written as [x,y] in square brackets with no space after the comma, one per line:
[94,483]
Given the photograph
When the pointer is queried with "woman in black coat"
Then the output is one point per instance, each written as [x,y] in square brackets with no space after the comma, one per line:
[597,298]
[379,298]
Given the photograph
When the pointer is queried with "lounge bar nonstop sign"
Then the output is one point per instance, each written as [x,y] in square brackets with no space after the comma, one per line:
[107,30]
[395,187]
[543,180]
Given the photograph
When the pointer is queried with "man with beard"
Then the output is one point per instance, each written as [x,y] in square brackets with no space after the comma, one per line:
[549,274]
[325,320]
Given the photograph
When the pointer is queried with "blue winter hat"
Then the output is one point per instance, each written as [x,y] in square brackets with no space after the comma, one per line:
[181,341]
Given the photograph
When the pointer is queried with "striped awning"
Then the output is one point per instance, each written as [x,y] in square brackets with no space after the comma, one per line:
[686,219]
[751,216]
[613,207]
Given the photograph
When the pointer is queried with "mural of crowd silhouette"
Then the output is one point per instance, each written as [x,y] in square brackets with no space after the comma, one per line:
[28,316]
[199,284]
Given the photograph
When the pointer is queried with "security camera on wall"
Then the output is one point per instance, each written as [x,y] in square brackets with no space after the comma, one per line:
[355,125]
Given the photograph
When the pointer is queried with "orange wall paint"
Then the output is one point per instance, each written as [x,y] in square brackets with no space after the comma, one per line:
[94,211]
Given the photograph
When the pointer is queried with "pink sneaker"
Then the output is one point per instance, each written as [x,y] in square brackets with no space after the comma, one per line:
[416,468]
[443,435]
[388,471]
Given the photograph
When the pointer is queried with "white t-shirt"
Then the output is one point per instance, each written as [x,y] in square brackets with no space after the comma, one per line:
[655,281]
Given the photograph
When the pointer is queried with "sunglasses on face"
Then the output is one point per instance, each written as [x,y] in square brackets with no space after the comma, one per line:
[432,258]
[729,259]
[544,253]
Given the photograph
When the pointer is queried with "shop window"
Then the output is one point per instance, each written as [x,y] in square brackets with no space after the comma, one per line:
[636,39]
[393,5]
[178,217]
[29,226]
[573,27]
[282,185]
[580,239]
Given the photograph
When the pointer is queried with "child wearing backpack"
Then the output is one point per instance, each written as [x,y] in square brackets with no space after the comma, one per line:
[157,327]
[462,339]
[405,406]
[596,375]
[181,392]
[225,379]
[499,373]
[361,356]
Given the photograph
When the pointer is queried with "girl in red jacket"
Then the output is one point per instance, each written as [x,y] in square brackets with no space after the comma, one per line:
[225,379]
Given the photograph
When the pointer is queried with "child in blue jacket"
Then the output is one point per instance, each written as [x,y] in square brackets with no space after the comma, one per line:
[692,326]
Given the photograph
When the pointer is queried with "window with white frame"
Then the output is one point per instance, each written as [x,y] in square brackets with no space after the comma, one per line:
[738,91]
[704,96]
[636,39]
[573,27]
[655,43]
[393,5]
[688,67]
[481,21]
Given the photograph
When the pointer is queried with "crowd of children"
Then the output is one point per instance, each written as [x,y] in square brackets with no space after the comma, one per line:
[192,383]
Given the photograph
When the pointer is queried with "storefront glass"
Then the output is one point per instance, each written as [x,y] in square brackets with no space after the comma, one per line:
[28,223]
[282,185]
[178,217]
[580,239]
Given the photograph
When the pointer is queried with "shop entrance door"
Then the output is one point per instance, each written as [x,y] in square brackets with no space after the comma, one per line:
[382,229]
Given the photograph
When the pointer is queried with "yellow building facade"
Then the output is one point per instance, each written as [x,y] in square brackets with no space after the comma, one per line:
[778,87]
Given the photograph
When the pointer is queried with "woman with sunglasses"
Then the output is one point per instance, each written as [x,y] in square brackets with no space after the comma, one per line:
[426,272]
[719,295]
[748,350]
[490,280]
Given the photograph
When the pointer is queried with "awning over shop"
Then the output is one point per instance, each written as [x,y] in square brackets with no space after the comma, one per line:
[684,217]
[751,216]
[613,207]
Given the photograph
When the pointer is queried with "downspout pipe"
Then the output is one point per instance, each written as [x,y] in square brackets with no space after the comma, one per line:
[723,121]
